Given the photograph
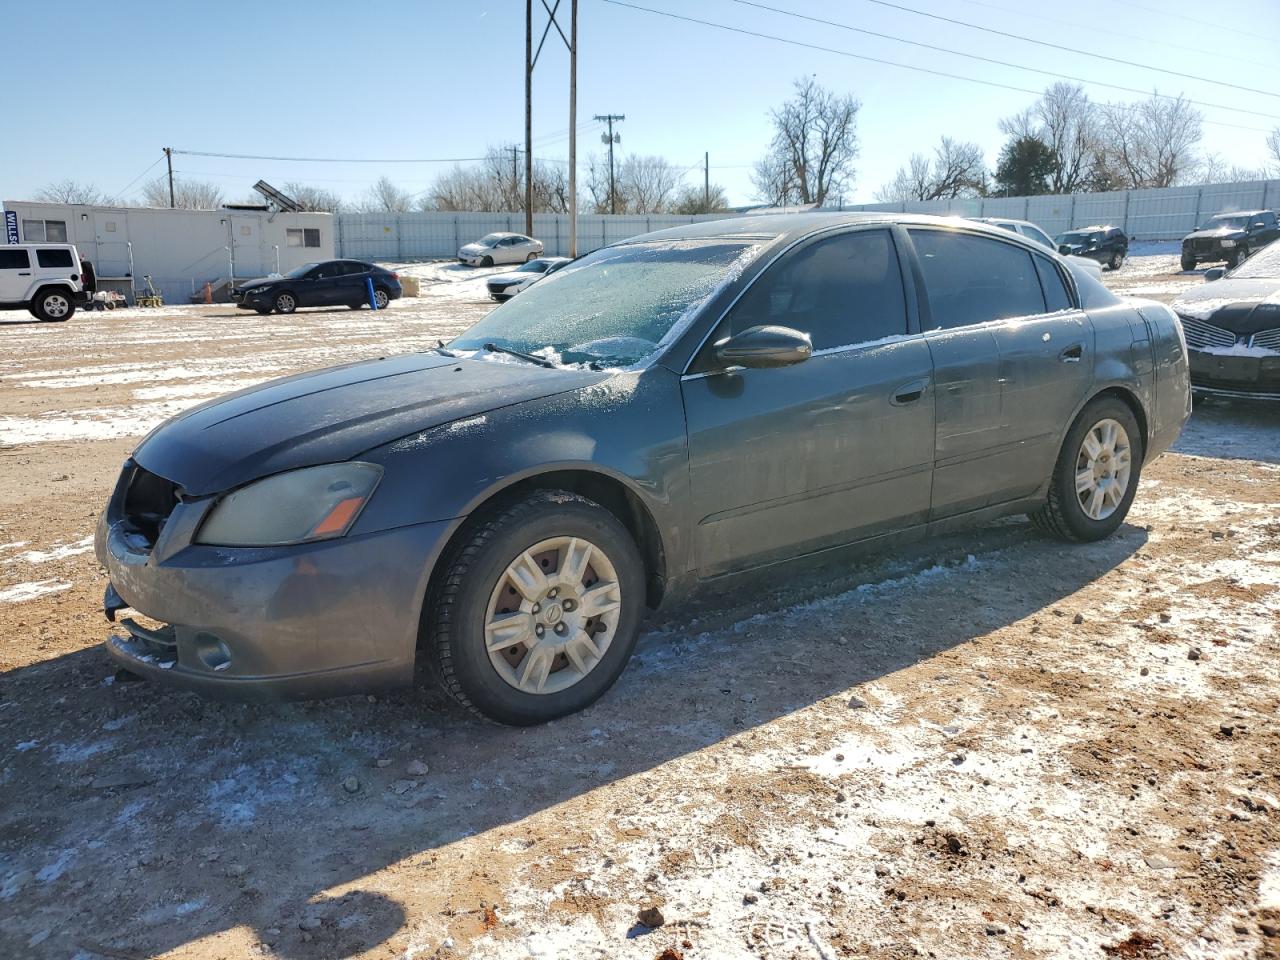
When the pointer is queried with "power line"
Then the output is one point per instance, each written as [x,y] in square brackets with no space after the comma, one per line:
[1075,50]
[121,193]
[982,59]
[252,156]
[906,66]
[1203,23]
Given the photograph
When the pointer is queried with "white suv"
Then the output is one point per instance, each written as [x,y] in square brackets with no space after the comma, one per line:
[44,278]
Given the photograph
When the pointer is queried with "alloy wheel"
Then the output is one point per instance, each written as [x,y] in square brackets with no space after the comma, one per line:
[1104,466]
[552,615]
[56,306]
[380,298]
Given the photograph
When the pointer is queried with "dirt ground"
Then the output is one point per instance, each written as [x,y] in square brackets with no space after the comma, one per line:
[991,745]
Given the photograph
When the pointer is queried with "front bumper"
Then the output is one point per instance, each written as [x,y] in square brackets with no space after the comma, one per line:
[1210,251]
[1255,378]
[313,620]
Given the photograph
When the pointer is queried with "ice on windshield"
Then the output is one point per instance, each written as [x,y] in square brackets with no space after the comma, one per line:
[1217,223]
[614,307]
[1262,265]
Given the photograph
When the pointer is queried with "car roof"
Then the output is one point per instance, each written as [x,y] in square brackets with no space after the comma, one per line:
[1237,213]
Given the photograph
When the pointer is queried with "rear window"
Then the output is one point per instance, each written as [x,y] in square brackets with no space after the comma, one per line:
[54,258]
[1051,282]
[973,279]
[14,259]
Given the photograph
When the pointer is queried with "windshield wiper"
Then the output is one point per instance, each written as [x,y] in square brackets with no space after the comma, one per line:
[441,348]
[540,361]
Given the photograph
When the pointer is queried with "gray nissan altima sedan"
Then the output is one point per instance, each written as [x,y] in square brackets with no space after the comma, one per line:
[671,410]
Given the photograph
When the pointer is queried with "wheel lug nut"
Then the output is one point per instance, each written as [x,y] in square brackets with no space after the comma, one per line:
[569,605]
[560,628]
[553,593]
[539,630]
[537,608]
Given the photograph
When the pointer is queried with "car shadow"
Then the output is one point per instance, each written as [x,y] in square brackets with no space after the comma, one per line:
[1232,429]
[135,819]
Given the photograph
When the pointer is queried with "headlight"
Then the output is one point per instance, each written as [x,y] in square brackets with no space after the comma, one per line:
[259,289]
[1228,244]
[314,503]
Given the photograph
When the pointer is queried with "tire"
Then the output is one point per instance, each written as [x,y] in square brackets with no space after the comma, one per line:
[381,297]
[285,302]
[53,306]
[487,262]
[262,311]
[1241,252]
[532,256]
[1064,514]
[477,585]
[1117,258]
[1188,262]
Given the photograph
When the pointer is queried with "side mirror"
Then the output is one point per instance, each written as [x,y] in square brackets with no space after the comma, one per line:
[1214,273]
[765,347]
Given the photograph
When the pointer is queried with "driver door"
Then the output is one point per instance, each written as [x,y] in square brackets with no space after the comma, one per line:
[322,286]
[791,460]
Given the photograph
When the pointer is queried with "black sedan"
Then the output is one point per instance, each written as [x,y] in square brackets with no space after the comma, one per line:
[662,413]
[1232,326]
[328,284]
[1230,237]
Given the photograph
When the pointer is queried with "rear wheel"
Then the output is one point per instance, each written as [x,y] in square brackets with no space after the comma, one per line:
[286,302]
[538,610]
[1188,261]
[1117,258]
[1241,252]
[1096,475]
[381,298]
[53,306]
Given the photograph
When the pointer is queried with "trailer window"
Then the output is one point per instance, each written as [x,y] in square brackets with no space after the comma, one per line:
[44,231]
[299,237]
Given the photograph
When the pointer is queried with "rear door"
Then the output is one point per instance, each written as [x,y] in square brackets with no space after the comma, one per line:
[837,448]
[351,282]
[1007,367]
[15,274]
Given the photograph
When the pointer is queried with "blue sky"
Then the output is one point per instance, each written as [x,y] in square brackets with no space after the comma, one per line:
[428,79]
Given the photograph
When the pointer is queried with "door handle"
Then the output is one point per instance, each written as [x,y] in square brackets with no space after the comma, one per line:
[909,392]
[24,273]
[1072,354]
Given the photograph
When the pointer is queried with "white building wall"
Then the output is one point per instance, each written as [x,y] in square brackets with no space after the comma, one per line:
[181,249]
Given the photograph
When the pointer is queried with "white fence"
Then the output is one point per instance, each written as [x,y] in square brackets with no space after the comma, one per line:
[1158,214]
[410,236]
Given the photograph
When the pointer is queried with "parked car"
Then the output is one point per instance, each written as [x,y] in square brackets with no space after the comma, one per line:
[504,286]
[1107,245]
[45,279]
[1230,237]
[684,406]
[1029,230]
[1232,326]
[327,284]
[497,248]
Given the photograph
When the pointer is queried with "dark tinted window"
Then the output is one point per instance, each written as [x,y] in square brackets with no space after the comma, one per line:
[842,290]
[1054,287]
[14,259]
[350,267]
[310,237]
[327,270]
[973,279]
[54,258]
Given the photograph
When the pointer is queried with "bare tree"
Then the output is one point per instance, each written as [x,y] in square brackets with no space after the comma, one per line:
[385,197]
[315,199]
[1273,150]
[1151,143]
[1068,123]
[648,184]
[814,144]
[1213,169]
[496,184]
[187,194]
[956,170]
[694,200]
[71,191]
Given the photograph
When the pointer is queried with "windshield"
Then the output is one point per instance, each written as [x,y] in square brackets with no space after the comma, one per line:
[301,271]
[1236,223]
[1079,236]
[1262,265]
[490,239]
[614,307]
[533,266]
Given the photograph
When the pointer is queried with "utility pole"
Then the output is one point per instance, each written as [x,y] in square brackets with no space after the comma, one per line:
[515,171]
[611,138]
[706,182]
[168,155]
[573,130]
[528,117]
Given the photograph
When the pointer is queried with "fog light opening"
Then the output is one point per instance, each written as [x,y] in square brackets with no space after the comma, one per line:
[213,653]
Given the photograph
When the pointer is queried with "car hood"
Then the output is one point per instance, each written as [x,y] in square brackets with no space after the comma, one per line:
[335,414]
[250,284]
[1218,233]
[1242,305]
[504,278]
[473,249]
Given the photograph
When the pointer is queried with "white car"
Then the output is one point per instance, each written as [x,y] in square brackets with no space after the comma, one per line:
[1029,230]
[44,278]
[500,248]
[504,286]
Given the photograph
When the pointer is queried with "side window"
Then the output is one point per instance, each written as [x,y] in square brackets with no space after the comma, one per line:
[53,258]
[974,279]
[1039,236]
[311,237]
[842,290]
[14,259]
[1051,282]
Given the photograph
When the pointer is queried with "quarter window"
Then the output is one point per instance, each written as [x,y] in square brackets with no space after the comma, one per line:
[1055,290]
[973,279]
[841,290]
[44,231]
[53,258]
[14,259]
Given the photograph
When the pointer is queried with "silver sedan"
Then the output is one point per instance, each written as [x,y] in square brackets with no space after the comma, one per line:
[498,248]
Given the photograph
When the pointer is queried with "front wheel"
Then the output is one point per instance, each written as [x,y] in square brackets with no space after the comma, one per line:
[1241,252]
[531,257]
[487,262]
[1117,258]
[286,302]
[53,306]
[1188,262]
[1096,476]
[538,609]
